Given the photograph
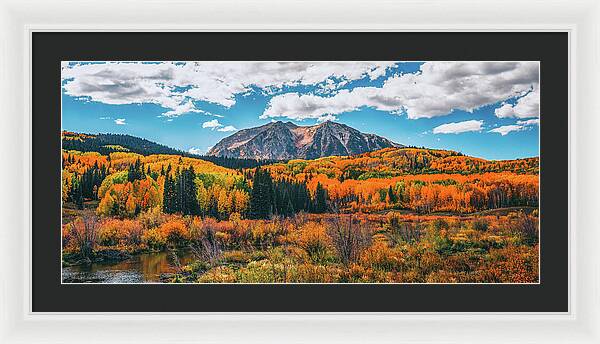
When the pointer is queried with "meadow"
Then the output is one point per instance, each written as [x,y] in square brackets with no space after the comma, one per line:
[391,216]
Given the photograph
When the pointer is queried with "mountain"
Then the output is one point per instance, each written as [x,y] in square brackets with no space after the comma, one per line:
[110,143]
[285,140]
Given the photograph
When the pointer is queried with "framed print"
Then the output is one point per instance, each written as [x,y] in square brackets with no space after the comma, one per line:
[290,198]
[343,178]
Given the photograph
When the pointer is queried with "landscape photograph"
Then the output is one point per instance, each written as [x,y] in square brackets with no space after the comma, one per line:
[300,172]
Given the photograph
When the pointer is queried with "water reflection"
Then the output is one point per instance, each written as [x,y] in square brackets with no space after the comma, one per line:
[143,268]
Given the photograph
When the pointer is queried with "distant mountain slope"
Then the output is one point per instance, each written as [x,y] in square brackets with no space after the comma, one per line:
[109,143]
[282,141]
[392,162]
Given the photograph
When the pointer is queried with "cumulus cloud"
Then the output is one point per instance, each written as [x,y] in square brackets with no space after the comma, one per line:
[175,86]
[227,128]
[120,121]
[527,106]
[436,89]
[505,129]
[212,124]
[195,150]
[458,127]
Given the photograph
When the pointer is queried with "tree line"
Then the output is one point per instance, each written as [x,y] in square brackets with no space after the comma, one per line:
[108,143]
[183,191]
[283,197]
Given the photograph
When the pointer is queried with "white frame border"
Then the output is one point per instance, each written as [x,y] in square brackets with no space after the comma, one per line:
[18,19]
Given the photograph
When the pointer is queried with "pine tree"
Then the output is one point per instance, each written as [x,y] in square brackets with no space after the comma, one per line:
[261,197]
[168,193]
[77,193]
[392,196]
[320,199]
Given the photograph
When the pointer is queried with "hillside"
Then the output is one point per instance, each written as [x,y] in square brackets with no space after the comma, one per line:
[106,144]
[285,140]
[391,162]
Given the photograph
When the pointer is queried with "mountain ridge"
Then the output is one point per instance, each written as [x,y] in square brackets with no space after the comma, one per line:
[286,140]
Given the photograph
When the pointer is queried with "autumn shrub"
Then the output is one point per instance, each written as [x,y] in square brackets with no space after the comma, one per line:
[134,232]
[382,257]
[526,227]
[237,257]
[431,261]
[195,227]
[443,276]
[261,271]
[463,261]
[437,236]
[311,273]
[208,245]
[175,232]
[264,233]
[440,224]
[480,224]
[350,238]
[236,234]
[67,242]
[83,232]
[232,234]
[398,231]
[111,233]
[155,239]
[409,276]
[114,232]
[355,273]
[219,274]
[152,218]
[313,238]
[514,264]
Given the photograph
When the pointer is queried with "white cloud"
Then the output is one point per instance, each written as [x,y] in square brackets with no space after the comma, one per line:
[535,121]
[458,127]
[120,121]
[436,90]
[210,114]
[195,150]
[505,129]
[174,85]
[103,118]
[526,106]
[180,109]
[521,125]
[326,118]
[227,128]
[212,124]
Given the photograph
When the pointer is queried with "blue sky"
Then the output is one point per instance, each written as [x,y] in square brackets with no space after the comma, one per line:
[483,109]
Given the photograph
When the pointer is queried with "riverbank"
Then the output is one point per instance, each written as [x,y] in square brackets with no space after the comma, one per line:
[145,267]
